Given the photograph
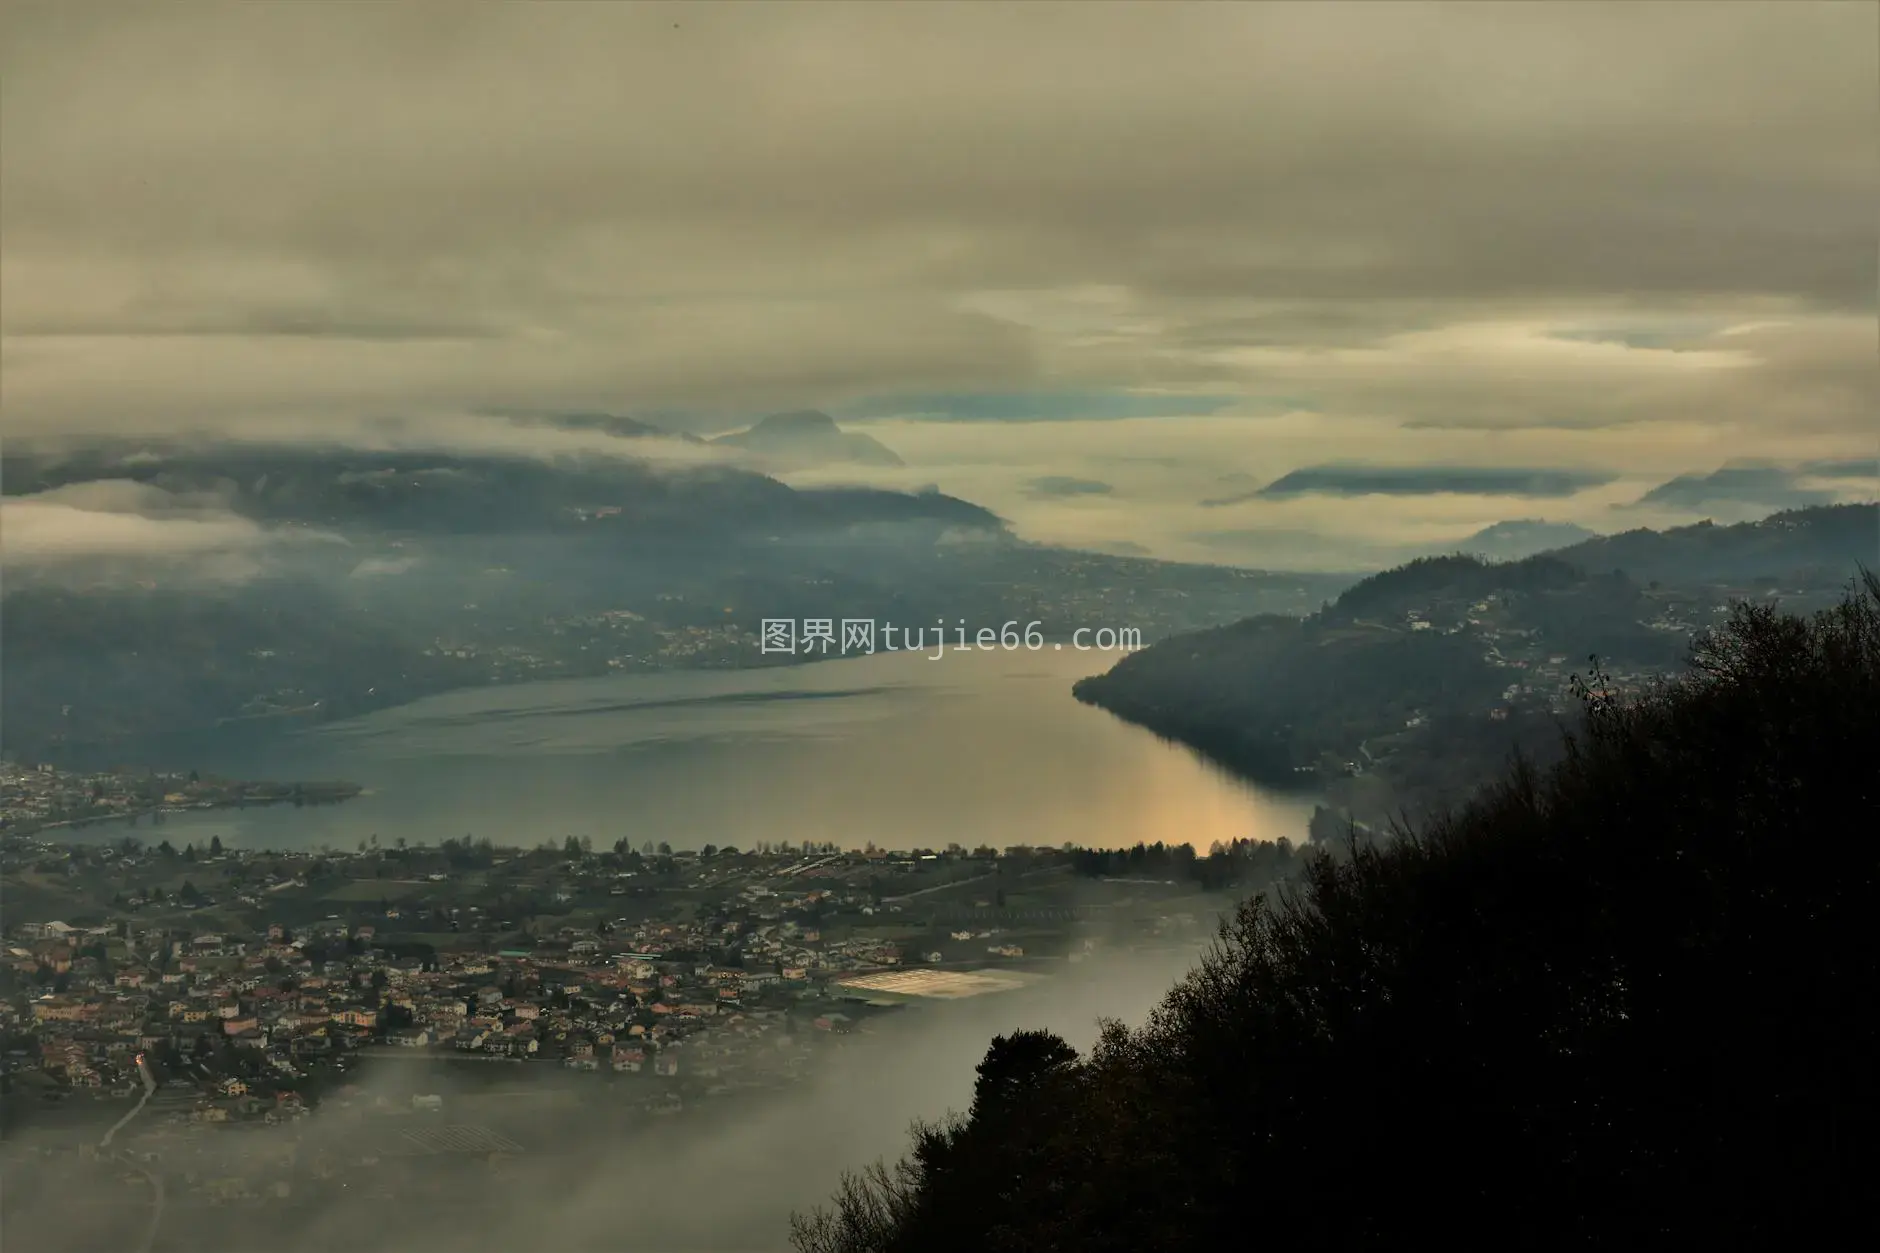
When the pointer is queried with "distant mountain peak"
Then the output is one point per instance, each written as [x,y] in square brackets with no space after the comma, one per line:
[808,437]
[799,422]
[1516,538]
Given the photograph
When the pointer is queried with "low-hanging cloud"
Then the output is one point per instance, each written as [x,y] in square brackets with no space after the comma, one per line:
[1429,480]
[709,1180]
[1061,486]
[134,529]
[556,208]
[1640,234]
[1767,485]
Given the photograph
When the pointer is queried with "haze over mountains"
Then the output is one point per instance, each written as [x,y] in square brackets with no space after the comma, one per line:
[224,580]
[807,438]
[441,492]
[1380,364]
[1522,537]
[1411,687]
[186,585]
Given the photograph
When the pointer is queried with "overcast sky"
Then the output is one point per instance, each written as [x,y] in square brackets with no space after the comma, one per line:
[1172,251]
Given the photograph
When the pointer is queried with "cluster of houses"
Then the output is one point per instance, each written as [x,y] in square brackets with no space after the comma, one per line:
[265,1010]
[33,796]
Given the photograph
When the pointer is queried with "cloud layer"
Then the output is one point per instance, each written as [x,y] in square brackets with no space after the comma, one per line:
[1315,226]
[1431,480]
[118,528]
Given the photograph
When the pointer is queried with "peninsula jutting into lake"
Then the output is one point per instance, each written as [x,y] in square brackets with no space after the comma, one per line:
[41,797]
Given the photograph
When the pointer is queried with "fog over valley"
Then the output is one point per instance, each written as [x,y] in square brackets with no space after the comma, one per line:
[618,1178]
[937,627]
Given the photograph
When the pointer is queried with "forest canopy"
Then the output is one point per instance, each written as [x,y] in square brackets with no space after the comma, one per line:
[1628,1000]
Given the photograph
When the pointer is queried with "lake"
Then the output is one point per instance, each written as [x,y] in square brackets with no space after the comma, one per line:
[897,748]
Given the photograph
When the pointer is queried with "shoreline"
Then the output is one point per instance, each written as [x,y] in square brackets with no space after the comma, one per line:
[265,795]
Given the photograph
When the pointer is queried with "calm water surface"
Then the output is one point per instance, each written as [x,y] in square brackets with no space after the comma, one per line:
[895,748]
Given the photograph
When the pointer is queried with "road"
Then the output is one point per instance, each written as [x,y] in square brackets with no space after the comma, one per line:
[156,1181]
[1016,914]
[150,1086]
[939,887]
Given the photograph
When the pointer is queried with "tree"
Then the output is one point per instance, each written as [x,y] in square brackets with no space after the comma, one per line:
[1014,1067]
[215,846]
[1537,974]
[189,895]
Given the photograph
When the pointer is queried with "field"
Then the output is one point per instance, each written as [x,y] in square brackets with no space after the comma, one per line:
[377,890]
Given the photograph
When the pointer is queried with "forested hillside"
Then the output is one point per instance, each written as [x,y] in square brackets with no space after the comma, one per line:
[1424,677]
[1630,1001]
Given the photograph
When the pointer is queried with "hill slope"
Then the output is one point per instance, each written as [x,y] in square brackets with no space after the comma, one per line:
[430,492]
[1402,675]
[1522,537]
[1826,536]
[1632,1002]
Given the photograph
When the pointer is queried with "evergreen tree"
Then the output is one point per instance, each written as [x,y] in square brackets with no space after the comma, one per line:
[1629,1001]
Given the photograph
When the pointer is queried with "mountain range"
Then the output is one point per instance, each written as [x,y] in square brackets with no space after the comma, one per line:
[352,579]
[1521,537]
[1417,656]
[440,492]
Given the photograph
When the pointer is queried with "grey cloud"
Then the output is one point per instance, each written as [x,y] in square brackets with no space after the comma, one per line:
[1761,484]
[115,531]
[1118,548]
[593,205]
[1647,225]
[1424,480]
[1058,486]
[1843,468]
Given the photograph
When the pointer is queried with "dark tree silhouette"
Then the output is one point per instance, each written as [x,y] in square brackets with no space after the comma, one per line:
[1630,1001]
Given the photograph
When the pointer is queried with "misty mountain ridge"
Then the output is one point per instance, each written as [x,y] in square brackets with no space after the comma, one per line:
[1434,645]
[1821,533]
[1753,484]
[808,438]
[250,581]
[1520,537]
[618,426]
[471,493]
[1830,538]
